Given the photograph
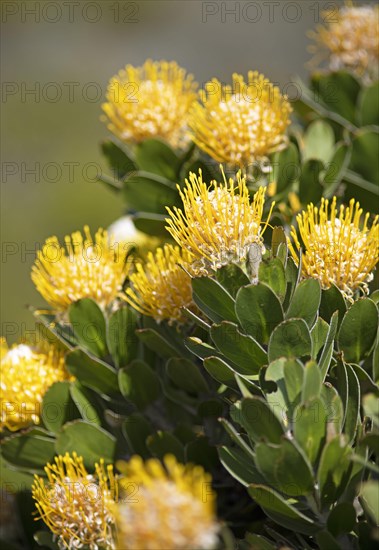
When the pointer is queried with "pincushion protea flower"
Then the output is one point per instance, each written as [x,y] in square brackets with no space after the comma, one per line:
[76,505]
[217,225]
[26,374]
[240,124]
[88,268]
[172,507]
[160,286]
[337,249]
[151,101]
[349,40]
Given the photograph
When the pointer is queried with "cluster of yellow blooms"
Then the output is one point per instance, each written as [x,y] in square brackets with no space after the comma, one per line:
[76,505]
[87,268]
[219,223]
[337,249]
[168,506]
[150,101]
[26,374]
[160,506]
[349,40]
[238,124]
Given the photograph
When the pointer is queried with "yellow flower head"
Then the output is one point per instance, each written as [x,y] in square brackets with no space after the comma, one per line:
[76,505]
[218,224]
[349,40]
[171,507]
[160,287]
[337,250]
[87,268]
[151,101]
[26,375]
[242,123]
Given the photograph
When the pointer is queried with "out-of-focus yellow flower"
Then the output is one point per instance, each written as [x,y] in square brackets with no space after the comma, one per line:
[26,375]
[349,40]
[87,268]
[76,505]
[243,123]
[160,287]
[217,225]
[151,101]
[337,249]
[171,508]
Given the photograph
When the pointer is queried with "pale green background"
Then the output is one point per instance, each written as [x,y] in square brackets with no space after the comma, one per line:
[67,132]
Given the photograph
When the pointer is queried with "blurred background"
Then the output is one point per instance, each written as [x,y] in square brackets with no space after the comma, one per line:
[57,58]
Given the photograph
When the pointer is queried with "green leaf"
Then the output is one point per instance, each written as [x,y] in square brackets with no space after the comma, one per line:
[327,352]
[151,224]
[334,469]
[352,415]
[279,246]
[305,301]
[237,438]
[258,310]
[333,407]
[155,341]
[44,539]
[157,157]
[335,169]
[338,91]
[342,519]
[290,339]
[285,167]
[57,406]
[92,373]
[285,467]
[245,353]
[87,440]
[136,430]
[199,348]
[231,277]
[292,279]
[239,465]
[121,338]
[319,334]
[318,142]
[30,449]
[220,371]
[139,383]
[288,377]
[310,427]
[257,542]
[272,273]
[186,375]
[369,105]
[370,408]
[369,493]
[281,511]
[358,330]
[63,333]
[119,162]
[88,325]
[147,192]
[85,403]
[364,162]
[326,541]
[163,443]
[310,188]
[213,299]
[311,382]
[259,421]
